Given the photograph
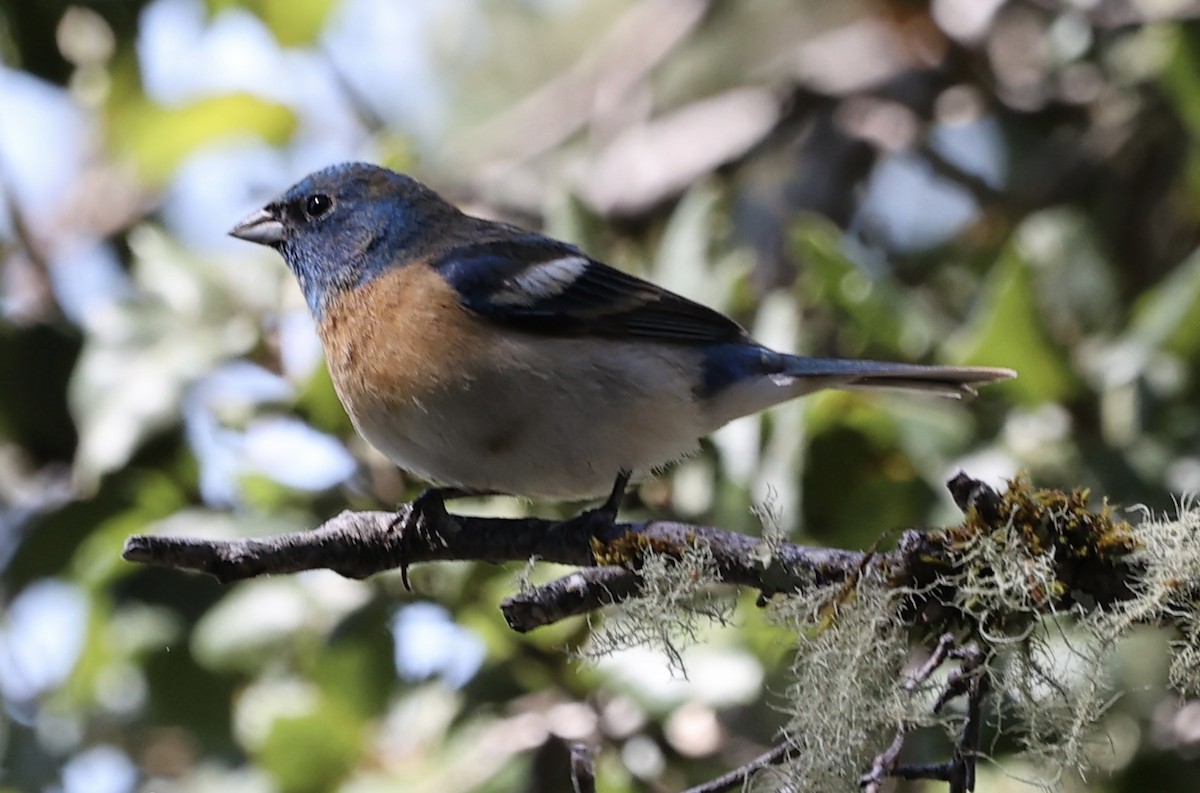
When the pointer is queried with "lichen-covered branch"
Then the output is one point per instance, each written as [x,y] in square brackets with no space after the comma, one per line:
[982,588]
[360,544]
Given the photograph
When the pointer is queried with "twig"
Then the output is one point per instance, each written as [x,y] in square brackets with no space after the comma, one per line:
[739,775]
[577,593]
[936,658]
[967,751]
[620,60]
[358,545]
[970,679]
[969,493]
[937,772]
[960,680]
[886,761]
[583,773]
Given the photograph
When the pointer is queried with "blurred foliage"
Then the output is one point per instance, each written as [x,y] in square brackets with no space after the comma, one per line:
[1004,183]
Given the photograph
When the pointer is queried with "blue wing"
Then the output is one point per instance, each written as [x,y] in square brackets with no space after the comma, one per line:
[544,286]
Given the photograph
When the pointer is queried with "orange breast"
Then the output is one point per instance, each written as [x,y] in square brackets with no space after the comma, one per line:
[399,339]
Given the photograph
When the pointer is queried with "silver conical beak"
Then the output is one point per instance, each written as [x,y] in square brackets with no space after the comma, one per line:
[263,227]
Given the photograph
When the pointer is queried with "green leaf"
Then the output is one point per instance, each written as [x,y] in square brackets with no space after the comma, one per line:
[159,138]
[310,752]
[97,562]
[870,304]
[1167,317]
[294,22]
[356,665]
[1181,76]
[1008,331]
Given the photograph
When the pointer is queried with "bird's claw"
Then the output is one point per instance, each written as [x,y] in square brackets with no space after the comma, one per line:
[422,513]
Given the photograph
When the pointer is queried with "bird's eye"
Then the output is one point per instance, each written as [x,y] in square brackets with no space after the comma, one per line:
[317,204]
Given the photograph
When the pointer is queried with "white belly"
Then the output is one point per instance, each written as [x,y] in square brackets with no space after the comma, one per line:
[551,418]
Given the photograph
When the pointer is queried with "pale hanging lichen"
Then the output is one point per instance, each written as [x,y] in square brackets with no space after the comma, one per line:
[1052,591]
[1042,586]
[1167,592]
[845,701]
[676,602]
[1046,587]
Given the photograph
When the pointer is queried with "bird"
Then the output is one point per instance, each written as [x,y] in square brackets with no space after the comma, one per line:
[485,358]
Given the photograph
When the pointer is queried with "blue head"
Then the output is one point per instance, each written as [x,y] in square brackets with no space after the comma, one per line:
[341,226]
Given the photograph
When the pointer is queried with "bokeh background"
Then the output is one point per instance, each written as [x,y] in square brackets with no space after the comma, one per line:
[971,181]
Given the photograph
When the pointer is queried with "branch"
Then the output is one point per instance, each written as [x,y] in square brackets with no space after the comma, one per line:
[25,243]
[583,772]
[738,776]
[578,593]
[969,679]
[1113,16]
[360,544]
[620,60]
[1091,552]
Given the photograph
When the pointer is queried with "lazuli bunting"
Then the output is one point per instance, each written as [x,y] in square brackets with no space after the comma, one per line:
[486,358]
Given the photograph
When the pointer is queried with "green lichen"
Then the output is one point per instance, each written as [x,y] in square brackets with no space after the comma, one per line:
[630,548]
[1036,553]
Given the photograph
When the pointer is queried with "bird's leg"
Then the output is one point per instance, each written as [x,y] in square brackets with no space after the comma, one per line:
[599,520]
[608,510]
[425,511]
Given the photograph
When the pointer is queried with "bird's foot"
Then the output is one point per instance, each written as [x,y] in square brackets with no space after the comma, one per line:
[425,512]
[598,523]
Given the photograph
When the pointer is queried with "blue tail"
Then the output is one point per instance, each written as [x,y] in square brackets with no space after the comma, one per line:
[745,378]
